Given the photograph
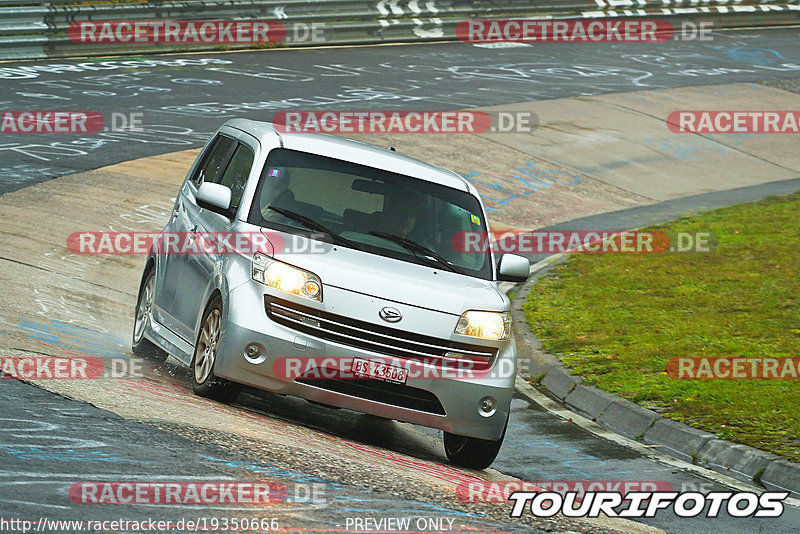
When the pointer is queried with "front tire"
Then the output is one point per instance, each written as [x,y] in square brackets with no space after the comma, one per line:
[473,453]
[140,345]
[204,382]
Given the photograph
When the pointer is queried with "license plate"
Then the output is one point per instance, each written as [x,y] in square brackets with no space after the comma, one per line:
[378,370]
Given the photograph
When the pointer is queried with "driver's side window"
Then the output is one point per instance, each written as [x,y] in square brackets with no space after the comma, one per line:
[237,172]
[214,161]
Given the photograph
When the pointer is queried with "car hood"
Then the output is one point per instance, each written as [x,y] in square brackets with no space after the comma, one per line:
[396,280]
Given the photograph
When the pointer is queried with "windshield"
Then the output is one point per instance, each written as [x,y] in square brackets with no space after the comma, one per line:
[371,209]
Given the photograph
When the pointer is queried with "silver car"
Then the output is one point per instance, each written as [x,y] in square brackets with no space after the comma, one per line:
[348,289]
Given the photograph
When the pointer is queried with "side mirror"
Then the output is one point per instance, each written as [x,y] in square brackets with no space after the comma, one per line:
[513,268]
[214,197]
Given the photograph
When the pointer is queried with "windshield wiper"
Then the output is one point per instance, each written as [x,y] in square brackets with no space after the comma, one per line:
[413,246]
[313,225]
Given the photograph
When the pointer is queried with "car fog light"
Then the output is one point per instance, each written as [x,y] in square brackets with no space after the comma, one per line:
[487,406]
[311,288]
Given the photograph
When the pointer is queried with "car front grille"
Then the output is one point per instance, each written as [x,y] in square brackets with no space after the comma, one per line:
[378,339]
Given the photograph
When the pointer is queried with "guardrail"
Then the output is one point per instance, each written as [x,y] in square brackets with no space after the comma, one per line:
[30,30]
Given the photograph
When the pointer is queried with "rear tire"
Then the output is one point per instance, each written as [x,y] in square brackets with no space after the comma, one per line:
[204,382]
[473,453]
[140,345]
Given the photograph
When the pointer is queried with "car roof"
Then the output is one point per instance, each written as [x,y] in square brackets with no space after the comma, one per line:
[338,147]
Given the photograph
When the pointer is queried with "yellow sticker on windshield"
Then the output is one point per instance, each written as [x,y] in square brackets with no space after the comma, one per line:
[475,219]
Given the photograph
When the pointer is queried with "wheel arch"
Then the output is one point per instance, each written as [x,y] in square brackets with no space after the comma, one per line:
[149,265]
[218,287]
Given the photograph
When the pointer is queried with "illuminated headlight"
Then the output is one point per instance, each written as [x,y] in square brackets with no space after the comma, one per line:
[287,278]
[485,325]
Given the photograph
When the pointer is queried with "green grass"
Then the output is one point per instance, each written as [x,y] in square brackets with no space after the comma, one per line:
[617,319]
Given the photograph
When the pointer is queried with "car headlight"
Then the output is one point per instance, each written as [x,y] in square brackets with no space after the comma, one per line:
[485,324]
[286,277]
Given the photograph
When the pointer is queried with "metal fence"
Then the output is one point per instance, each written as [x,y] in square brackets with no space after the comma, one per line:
[31,30]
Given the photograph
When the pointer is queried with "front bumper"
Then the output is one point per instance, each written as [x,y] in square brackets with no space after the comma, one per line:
[431,398]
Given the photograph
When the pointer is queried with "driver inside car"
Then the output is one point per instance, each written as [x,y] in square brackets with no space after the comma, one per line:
[400,216]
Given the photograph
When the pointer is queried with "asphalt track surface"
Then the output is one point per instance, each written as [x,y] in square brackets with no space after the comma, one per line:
[187,97]
[182,105]
[50,442]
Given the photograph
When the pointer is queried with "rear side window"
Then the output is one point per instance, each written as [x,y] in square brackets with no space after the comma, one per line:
[235,175]
[213,163]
